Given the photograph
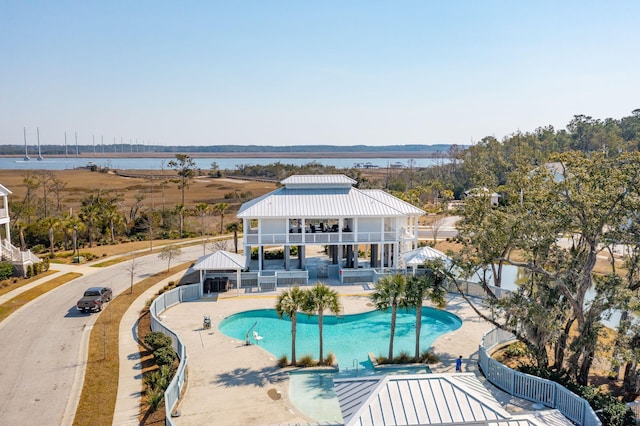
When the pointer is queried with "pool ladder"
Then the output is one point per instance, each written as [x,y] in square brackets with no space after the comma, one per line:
[246,336]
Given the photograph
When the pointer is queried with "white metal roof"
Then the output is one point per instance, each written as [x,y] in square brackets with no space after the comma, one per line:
[419,255]
[310,203]
[429,399]
[416,399]
[4,191]
[396,202]
[315,197]
[315,181]
[220,261]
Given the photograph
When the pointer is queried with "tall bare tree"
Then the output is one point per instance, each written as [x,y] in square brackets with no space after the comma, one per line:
[185,167]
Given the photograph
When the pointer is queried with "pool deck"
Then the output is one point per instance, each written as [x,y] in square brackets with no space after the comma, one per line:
[230,383]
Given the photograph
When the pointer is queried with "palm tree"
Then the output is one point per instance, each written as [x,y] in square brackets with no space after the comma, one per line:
[113,218]
[429,286]
[234,227]
[221,209]
[179,209]
[202,209]
[52,223]
[90,212]
[390,292]
[321,297]
[289,303]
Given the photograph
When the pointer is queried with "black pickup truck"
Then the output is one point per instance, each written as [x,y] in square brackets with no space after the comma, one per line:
[93,299]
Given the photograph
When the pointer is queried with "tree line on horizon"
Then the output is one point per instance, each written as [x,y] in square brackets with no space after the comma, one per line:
[118,148]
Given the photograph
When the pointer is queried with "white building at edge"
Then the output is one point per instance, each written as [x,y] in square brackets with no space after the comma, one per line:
[328,210]
[8,252]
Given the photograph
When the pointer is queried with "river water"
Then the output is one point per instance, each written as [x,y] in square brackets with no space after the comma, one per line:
[205,163]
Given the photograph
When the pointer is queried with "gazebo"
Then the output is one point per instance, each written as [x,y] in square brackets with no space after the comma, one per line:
[216,267]
[417,257]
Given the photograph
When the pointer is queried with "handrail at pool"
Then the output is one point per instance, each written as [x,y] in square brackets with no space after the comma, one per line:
[532,388]
[159,305]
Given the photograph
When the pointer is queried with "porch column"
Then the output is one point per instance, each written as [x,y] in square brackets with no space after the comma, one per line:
[374,255]
[247,247]
[355,256]
[302,256]
[260,247]
[287,254]
[356,240]
[396,254]
[201,289]
[385,255]
[349,256]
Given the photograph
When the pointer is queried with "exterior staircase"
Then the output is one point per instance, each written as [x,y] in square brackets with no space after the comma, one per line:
[20,259]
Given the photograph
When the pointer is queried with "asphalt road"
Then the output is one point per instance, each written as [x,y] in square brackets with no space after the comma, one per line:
[446,228]
[43,345]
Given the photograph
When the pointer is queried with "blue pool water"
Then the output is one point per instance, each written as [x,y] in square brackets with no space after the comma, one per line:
[349,337]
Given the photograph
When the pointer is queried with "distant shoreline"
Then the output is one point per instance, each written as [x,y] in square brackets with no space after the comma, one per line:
[245,154]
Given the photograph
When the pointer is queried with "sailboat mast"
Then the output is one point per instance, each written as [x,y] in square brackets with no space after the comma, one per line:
[26,152]
[39,152]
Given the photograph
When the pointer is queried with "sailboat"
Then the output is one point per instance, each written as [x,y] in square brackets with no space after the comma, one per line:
[39,153]
[26,152]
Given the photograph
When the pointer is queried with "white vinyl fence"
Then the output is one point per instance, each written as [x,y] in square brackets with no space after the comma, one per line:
[532,388]
[162,302]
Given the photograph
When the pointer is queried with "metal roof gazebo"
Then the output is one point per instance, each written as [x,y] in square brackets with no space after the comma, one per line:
[220,261]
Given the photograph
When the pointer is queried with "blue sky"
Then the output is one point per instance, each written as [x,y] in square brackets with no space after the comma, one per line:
[311,72]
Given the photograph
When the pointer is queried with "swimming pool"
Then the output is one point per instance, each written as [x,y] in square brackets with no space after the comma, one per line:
[349,337]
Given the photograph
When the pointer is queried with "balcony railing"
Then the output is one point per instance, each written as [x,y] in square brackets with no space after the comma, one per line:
[253,238]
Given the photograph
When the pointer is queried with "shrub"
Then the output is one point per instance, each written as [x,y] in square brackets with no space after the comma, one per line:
[156,380]
[515,350]
[307,361]
[154,398]
[157,340]
[330,359]
[6,270]
[164,356]
[283,361]
[88,256]
[29,273]
[381,359]
[429,358]
[403,358]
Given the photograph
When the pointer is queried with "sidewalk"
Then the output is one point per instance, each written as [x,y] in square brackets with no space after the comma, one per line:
[127,407]
[60,269]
